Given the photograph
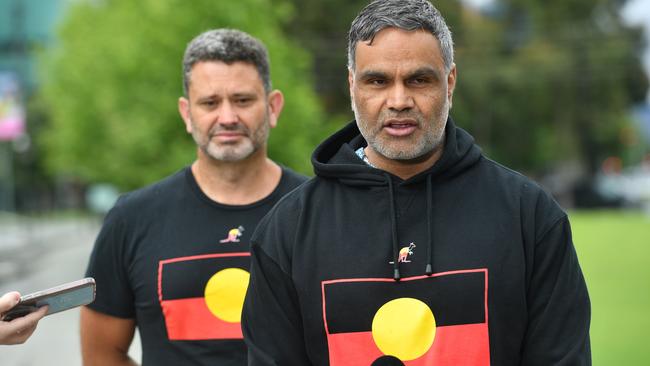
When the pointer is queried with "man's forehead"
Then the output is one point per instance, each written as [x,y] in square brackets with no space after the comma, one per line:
[235,76]
[216,65]
[388,34]
[397,47]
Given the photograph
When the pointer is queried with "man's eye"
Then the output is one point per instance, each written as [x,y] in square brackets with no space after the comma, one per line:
[419,81]
[378,82]
[243,101]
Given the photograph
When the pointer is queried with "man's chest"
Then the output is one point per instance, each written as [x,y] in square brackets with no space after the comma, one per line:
[193,279]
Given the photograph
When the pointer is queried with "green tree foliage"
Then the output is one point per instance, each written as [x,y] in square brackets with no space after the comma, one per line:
[539,82]
[322,28]
[542,82]
[113,81]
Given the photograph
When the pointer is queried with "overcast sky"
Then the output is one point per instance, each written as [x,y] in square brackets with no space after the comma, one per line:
[637,12]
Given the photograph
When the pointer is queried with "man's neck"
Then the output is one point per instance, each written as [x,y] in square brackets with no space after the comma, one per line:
[237,183]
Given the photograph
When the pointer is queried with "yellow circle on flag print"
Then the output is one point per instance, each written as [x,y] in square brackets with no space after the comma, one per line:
[404,328]
[225,292]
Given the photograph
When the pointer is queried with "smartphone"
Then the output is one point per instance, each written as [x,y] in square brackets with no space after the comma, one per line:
[59,298]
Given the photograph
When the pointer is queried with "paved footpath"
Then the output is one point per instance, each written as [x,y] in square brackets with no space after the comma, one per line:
[37,254]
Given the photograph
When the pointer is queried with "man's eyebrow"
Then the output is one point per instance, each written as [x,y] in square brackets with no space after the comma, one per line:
[372,74]
[426,72]
[207,97]
[243,95]
[420,72]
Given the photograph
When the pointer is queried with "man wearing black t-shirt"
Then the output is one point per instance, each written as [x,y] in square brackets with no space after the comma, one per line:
[172,258]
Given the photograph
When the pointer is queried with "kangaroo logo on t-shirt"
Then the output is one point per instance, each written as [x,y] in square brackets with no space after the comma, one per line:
[233,235]
[404,254]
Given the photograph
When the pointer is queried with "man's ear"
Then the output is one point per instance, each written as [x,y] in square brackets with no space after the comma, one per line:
[184,111]
[276,103]
[451,83]
[350,80]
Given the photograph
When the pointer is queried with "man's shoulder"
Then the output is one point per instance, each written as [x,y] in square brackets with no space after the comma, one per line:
[299,196]
[291,178]
[275,230]
[154,192]
[504,175]
[534,199]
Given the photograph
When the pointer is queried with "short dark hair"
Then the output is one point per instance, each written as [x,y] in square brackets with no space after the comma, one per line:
[229,46]
[404,14]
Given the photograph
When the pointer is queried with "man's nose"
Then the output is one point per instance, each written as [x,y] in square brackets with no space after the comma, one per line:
[399,98]
[227,114]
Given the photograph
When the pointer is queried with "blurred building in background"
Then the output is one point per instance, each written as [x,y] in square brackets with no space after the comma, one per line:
[27,27]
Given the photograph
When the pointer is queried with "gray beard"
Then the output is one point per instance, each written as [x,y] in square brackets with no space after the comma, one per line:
[426,145]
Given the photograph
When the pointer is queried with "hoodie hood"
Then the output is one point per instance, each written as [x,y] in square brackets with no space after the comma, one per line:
[336,158]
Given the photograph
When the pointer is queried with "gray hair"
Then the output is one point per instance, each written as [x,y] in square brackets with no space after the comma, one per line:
[404,14]
[229,46]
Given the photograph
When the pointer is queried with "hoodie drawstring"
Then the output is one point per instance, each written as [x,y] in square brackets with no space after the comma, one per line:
[429,270]
[393,221]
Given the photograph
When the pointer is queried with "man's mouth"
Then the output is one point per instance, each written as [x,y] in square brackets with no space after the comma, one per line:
[398,128]
[227,136]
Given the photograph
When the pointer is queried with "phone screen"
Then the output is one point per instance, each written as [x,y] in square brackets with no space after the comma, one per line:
[66,300]
[60,298]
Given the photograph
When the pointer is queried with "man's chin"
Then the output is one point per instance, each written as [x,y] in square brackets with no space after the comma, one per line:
[229,154]
[406,155]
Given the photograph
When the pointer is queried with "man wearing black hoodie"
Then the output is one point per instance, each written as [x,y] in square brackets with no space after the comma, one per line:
[409,246]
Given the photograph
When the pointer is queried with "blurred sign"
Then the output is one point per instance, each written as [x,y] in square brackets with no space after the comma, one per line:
[101,197]
[642,119]
[12,113]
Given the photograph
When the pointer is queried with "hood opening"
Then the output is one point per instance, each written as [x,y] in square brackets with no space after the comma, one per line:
[336,158]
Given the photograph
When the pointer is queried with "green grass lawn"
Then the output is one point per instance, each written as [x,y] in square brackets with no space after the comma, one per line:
[614,252]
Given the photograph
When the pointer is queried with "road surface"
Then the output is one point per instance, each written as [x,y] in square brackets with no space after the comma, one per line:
[36,254]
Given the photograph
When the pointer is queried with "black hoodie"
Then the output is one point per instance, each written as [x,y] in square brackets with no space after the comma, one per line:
[466,263]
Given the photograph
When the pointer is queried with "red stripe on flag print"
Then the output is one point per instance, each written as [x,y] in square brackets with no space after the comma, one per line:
[454,345]
[457,343]
[190,319]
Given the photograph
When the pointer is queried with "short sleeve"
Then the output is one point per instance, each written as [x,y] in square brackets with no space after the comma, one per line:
[107,265]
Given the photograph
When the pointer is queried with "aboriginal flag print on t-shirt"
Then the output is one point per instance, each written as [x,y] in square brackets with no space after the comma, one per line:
[425,320]
[202,296]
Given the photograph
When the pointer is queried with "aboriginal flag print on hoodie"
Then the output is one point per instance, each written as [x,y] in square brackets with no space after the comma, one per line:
[367,319]
[466,263]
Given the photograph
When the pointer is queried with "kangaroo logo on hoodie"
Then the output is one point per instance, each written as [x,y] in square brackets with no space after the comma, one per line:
[404,254]
[233,235]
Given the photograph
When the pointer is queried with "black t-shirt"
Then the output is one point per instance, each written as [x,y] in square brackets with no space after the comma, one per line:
[177,262]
